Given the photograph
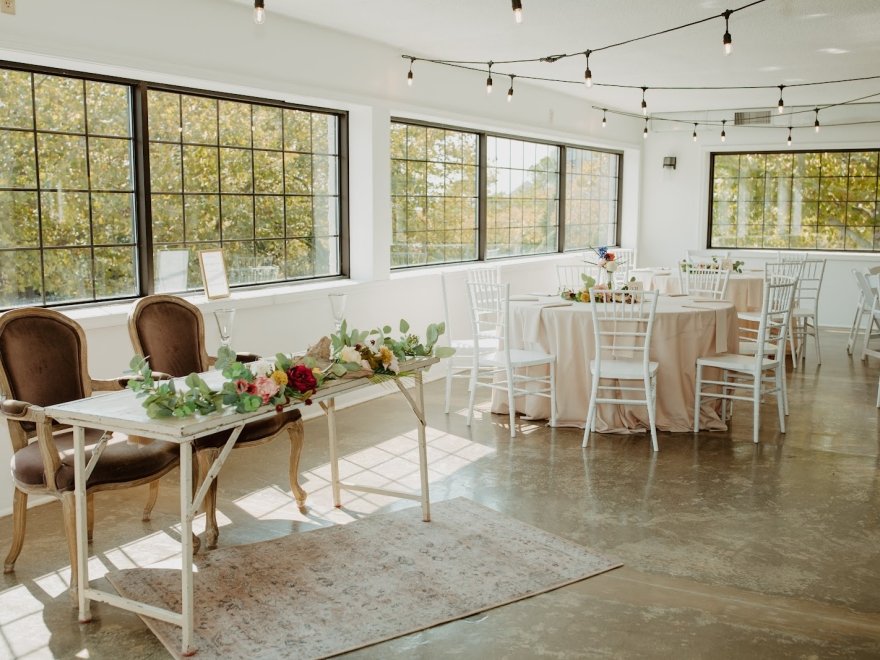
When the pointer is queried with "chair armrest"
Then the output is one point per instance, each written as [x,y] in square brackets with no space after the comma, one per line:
[244,358]
[22,411]
[110,384]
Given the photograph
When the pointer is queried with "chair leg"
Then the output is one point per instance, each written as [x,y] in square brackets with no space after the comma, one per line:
[90,516]
[552,394]
[878,404]
[697,391]
[297,434]
[649,387]
[511,402]
[780,398]
[756,403]
[19,522]
[854,330]
[152,497]
[816,337]
[591,410]
[206,459]
[448,385]
[472,393]
[68,507]
[792,330]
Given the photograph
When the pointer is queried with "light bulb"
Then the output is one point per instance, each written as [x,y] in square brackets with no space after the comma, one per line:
[510,94]
[695,132]
[588,77]
[781,105]
[816,123]
[645,132]
[723,133]
[644,102]
[409,78]
[789,137]
[727,40]
[489,84]
[517,10]
[259,12]
[604,121]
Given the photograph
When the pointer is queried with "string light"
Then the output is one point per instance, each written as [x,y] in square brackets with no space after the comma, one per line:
[489,80]
[727,41]
[644,102]
[259,12]
[510,91]
[723,134]
[517,11]
[789,136]
[645,133]
[604,120]
[816,123]
[781,105]
[409,76]
[588,75]
[695,131]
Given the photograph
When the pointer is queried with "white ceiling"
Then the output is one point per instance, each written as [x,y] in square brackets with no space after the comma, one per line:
[776,42]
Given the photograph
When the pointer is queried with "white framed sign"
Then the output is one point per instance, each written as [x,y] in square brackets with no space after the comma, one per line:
[214,274]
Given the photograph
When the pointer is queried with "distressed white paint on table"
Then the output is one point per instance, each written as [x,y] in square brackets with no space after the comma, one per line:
[122,411]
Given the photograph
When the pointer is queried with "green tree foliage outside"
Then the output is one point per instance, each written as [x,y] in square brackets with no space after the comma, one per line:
[819,200]
[67,223]
[259,181]
[435,196]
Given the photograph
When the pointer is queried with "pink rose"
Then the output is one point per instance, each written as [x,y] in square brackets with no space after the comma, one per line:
[265,387]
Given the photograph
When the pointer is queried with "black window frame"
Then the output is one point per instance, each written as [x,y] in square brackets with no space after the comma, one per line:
[143,240]
[483,136]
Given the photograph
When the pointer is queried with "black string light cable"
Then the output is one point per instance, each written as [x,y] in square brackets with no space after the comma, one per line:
[556,57]
[722,122]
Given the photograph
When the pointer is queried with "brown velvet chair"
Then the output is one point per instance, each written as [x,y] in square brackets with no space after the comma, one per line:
[170,332]
[43,362]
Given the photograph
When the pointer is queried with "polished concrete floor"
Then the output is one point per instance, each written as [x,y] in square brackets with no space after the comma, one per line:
[730,549]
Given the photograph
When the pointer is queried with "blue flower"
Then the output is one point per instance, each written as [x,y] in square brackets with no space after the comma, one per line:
[602,251]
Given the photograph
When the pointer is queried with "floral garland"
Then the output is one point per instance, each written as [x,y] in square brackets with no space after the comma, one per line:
[250,386]
[725,264]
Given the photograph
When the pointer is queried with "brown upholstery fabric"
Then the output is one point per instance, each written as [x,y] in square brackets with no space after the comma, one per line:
[169,335]
[41,357]
[122,460]
[251,432]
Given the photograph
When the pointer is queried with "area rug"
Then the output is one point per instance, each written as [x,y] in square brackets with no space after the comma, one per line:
[335,589]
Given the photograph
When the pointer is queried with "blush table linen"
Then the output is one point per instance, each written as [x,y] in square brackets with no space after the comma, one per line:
[684,329]
[745,290]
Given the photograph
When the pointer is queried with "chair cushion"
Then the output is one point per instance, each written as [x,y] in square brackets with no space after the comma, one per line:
[253,432]
[123,460]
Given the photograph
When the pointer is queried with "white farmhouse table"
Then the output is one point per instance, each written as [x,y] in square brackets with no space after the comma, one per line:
[122,411]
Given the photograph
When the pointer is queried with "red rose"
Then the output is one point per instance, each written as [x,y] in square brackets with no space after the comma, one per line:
[609,256]
[308,402]
[242,386]
[301,378]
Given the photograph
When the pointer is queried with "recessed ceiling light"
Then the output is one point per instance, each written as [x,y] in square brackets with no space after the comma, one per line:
[833,51]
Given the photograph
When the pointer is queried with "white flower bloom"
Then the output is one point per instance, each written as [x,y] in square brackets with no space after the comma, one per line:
[261,367]
[350,354]
[394,365]
[610,266]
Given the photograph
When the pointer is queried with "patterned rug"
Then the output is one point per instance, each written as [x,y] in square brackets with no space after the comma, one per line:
[335,589]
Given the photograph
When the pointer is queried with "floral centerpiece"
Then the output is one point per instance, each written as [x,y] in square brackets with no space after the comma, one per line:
[606,260]
[726,264]
[250,386]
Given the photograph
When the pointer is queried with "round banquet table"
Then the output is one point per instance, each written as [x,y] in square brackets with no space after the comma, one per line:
[745,290]
[684,329]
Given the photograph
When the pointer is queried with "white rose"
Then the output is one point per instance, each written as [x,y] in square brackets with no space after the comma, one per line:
[350,354]
[261,367]
[611,266]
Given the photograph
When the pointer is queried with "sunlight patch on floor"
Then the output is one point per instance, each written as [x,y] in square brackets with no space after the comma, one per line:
[22,629]
[391,464]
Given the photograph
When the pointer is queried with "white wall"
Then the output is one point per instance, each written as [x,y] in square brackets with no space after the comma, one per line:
[214,44]
[675,203]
